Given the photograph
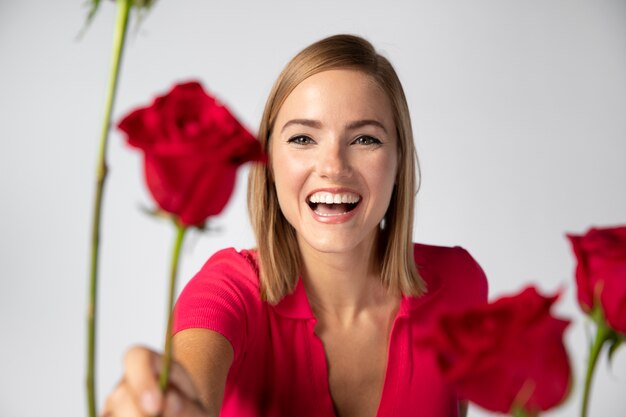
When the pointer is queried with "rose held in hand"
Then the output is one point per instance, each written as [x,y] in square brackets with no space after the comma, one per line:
[601,273]
[192,148]
[506,355]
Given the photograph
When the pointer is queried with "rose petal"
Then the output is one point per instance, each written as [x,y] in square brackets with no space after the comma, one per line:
[509,352]
[192,147]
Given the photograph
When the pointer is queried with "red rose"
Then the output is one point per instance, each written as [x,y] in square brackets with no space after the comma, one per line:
[601,273]
[192,147]
[506,354]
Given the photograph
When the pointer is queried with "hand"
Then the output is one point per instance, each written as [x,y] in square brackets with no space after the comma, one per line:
[138,393]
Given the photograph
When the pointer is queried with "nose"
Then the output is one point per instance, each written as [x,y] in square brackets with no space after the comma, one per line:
[333,161]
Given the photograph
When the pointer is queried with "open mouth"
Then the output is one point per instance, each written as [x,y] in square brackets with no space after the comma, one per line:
[333,204]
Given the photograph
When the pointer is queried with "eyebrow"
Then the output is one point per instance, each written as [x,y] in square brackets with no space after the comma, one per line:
[318,125]
[366,122]
[304,122]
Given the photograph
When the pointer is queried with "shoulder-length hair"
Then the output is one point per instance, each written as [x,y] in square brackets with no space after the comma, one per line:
[278,253]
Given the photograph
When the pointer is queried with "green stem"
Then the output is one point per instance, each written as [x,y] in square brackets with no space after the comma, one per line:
[519,412]
[121,25]
[167,351]
[602,335]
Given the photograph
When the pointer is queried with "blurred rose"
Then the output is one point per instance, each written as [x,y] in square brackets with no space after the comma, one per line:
[192,148]
[506,354]
[601,273]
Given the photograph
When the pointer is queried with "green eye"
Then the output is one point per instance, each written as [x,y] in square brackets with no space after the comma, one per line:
[367,140]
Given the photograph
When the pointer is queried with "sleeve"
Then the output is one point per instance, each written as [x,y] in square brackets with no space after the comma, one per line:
[223,296]
[474,285]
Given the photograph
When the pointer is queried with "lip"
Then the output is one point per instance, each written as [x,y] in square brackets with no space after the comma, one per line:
[339,218]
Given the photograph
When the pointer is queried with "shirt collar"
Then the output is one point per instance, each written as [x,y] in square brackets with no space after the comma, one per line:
[295,305]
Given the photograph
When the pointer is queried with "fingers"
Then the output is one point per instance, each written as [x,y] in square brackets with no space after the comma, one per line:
[140,376]
[179,378]
[121,403]
[143,367]
[139,394]
[177,405]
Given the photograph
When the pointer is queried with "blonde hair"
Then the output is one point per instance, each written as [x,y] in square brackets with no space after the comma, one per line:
[279,256]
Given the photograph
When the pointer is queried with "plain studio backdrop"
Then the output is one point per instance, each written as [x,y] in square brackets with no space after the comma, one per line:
[519,112]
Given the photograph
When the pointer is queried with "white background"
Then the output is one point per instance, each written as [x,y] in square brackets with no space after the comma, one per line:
[519,110]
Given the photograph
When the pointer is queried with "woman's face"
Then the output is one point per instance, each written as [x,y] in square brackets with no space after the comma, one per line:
[334,158]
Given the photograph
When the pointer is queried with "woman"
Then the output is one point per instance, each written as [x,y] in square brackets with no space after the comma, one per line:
[325,317]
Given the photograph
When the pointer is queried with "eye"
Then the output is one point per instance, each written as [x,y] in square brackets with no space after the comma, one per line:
[300,140]
[367,140]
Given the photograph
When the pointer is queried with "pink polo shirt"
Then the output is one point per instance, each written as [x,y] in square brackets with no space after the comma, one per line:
[280,369]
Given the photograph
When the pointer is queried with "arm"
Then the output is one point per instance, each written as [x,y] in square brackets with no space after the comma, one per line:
[219,298]
[206,356]
[197,379]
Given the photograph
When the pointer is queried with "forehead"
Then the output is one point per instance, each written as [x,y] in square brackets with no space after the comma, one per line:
[337,96]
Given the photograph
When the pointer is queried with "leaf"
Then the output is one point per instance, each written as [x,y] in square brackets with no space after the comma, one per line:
[156,213]
[93,9]
[142,6]
[615,342]
[94,5]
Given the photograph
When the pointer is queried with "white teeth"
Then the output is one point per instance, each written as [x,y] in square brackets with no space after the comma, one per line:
[330,198]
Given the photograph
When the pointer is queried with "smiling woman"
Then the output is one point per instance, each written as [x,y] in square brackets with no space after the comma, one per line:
[323,317]
[381,108]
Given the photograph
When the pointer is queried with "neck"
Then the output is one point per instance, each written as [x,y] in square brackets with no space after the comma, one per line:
[344,285]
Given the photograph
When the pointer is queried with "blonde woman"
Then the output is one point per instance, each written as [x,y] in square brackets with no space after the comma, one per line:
[322,318]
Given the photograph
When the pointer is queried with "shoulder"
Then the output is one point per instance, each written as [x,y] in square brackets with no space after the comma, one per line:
[232,262]
[223,296]
[451,272]
[227,268]
[446,257]
[228,274]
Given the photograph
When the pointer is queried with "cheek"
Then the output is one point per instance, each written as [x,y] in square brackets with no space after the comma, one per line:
[287,181]
[382,172]
[382,179]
